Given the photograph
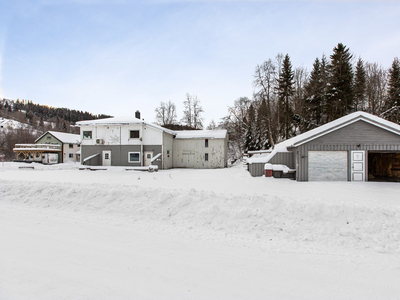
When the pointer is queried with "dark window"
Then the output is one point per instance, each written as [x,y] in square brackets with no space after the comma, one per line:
[206,157]
[71,155]
[134,134]
[87,134]
[134,156]
[206,143]
[48,137]
[71,145]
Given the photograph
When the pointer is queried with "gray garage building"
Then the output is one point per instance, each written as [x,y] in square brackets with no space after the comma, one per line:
[356,147]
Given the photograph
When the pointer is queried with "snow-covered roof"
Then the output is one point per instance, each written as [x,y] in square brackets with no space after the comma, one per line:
[65,138]
[337,124]
[121,121]
[208,134]
[114,120]
[184,134]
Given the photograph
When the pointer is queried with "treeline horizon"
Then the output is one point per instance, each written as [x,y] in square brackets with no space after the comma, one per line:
[289,101]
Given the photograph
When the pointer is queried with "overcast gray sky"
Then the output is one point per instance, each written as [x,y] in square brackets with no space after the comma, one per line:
[116,57]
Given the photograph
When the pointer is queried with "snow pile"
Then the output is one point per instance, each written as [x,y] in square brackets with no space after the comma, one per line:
[270,222]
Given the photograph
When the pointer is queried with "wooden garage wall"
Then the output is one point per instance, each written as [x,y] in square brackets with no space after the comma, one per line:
[368,136]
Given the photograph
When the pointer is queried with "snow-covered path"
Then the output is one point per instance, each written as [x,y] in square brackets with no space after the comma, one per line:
[194,234]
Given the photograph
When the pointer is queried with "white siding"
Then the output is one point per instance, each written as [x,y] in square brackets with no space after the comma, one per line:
[120,135]
[67,151]
[191,153]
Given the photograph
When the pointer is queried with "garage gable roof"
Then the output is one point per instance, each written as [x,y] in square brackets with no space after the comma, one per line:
[337,124]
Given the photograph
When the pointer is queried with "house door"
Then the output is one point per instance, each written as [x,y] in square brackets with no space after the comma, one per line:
[148,155]
[357,165]
[107,158]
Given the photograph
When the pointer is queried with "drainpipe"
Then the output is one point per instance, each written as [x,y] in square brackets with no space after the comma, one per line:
[141,147]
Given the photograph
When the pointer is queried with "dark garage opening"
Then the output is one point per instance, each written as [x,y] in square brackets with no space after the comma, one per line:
[383,166]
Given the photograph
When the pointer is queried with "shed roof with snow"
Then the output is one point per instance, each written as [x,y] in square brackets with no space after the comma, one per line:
[201,134]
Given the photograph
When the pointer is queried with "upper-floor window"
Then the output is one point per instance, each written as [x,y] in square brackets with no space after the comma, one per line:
[87,134]
[206,143]
[48,137]
[71,146]
[134,134]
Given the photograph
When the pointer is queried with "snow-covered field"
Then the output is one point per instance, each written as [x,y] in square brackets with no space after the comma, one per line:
[194,234]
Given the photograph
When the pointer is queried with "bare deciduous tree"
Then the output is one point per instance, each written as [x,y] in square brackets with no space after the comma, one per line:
[236,125]
[166,113]
[192,112]
[376,84]
[265,81]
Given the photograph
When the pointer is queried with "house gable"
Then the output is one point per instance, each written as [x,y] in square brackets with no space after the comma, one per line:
[359,132]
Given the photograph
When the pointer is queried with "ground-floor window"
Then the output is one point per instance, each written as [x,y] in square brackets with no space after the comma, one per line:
[133,157]
[206,157]
[71,155]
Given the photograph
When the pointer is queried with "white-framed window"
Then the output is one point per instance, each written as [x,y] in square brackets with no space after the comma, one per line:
[87,135]
[71,155]
[71,146]
[134,157]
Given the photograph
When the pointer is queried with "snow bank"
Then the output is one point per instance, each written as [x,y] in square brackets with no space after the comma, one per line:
[270,222]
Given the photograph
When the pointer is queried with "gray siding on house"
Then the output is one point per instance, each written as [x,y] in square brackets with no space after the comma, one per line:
[357,136]
[119,154]
[156,149]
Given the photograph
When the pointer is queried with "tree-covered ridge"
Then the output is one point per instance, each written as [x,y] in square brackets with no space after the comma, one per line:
[34,120]
[48,113]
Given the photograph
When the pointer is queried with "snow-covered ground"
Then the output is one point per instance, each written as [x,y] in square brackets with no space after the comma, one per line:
[67,233]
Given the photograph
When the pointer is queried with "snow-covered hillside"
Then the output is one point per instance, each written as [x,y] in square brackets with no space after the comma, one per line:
[194,234]
[8,124]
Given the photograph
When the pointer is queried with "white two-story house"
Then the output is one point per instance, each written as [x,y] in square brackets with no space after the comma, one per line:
[128,141]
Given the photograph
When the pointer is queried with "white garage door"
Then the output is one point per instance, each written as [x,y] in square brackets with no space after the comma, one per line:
[327,165]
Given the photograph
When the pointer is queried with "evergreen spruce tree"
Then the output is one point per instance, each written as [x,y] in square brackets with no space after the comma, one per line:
[360,86]
[250,140]
[340,98]
[285,93]
[392,104]
[262,124]
[315,97]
